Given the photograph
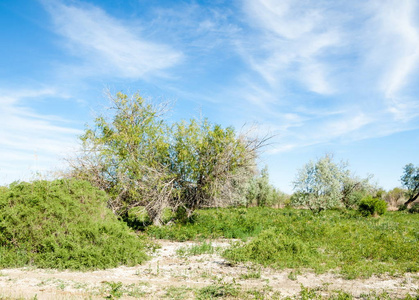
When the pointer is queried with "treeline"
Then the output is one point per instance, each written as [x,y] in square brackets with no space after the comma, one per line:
[141,159]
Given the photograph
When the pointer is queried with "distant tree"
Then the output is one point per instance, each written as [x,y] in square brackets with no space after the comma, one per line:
[410,180]
[394,196]
[354,189]
[325,184]
[260,191]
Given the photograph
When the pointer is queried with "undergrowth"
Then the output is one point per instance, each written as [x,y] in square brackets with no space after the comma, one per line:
[63,224]
[342,241]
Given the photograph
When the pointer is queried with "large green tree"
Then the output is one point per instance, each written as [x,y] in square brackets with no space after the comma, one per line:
[141,160]
[410,180]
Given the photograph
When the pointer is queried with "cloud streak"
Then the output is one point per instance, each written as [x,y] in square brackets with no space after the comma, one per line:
[291,38]
[346,71]
[106,45]
[33,142]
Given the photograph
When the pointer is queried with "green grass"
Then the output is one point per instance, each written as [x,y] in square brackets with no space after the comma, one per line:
[342,241]
[63,224]
[202,248]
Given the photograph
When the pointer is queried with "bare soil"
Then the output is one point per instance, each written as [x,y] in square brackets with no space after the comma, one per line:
[168,275]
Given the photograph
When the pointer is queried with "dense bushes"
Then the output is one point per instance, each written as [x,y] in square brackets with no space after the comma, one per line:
[370,206]
[63,224]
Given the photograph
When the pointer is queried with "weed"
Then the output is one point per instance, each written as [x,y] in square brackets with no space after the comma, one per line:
[252,274]
[203,248]
[177,293]
[217,290]
[293,274]
[115,291]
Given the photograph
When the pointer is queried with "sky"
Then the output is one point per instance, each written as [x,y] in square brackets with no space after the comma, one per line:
[322,77]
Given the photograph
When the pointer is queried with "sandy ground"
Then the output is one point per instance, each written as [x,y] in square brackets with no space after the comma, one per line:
[171,276]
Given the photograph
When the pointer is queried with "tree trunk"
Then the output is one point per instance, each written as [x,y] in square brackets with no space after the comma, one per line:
[412,199]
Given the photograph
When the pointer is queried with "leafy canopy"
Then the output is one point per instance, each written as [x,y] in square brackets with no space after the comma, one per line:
[141,160]
[410,180]
[325,184]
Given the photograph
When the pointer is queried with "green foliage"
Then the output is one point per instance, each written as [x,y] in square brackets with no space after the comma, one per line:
[273,248]
[203,248]
[261,193]
[141,160]
[115,289]
[324,185]
[395,196]
[370,206]
[410,180]
[414,209]
[63,224]
[210,164]
[218,290]
[342,241]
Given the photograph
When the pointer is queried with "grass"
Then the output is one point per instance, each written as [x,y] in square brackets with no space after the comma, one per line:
[202,248]
[342,241]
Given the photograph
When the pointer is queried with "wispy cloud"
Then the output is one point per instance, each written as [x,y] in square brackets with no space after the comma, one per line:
[345,71]
[395,53]
[290,41]
[106,45]
[33,142]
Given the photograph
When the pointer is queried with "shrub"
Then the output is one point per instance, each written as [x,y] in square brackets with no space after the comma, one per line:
[272,248]
[370,206]
[414,209]
[63,224]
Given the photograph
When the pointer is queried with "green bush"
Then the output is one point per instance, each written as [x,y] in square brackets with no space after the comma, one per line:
[63,224]
[273,248]
[370,206]
[414,209]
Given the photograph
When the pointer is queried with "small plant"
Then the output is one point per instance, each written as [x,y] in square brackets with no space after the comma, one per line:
[177,293]
[115,289]
[252,274]
[307,293]
[293,274]
[216,290]
[370,206]
[204,248]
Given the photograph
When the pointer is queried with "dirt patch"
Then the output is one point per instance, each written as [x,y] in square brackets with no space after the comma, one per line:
[169,275]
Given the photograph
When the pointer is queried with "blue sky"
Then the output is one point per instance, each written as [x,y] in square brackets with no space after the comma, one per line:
[323,76]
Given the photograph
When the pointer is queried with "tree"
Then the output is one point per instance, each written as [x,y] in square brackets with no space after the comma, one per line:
[325,184]
[410,180]
[127,156]
[140,160]
[261,193]
[210,164]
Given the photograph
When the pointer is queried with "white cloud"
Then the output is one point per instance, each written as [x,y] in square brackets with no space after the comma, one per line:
[33,142]
[346,70]
[394,53]
[290,39]
[107,46]
[399,41]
